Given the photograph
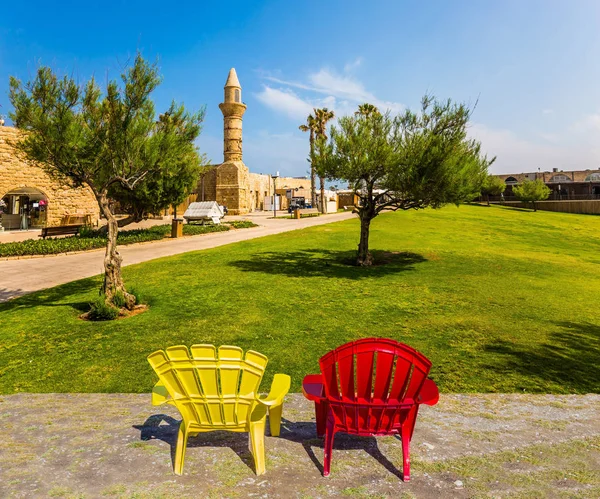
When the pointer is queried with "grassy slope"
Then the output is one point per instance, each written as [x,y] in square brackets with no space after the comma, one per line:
[499,299]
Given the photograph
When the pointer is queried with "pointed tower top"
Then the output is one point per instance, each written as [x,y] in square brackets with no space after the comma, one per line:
[232,79]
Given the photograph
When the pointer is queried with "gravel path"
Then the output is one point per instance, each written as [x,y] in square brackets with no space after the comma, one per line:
[26,275]
[119,445]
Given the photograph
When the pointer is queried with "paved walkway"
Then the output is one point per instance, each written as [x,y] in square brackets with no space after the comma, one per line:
[22,276]
[119,445]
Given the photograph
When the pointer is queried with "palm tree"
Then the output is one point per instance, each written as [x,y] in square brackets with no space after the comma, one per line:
[311,126]
[322,116]
[367,110]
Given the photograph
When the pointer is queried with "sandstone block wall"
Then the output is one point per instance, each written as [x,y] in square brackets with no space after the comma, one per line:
[63,199]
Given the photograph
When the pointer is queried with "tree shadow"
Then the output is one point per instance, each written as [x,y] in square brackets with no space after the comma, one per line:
[152,429]
[51,297]
[570,358]
[514,208]
[306,434]
[328,263]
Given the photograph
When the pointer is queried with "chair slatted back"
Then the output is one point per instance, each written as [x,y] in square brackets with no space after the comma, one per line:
[367,381]
[210,386]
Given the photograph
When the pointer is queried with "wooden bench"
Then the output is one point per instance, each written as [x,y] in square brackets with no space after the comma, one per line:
[60,230]
[309,212]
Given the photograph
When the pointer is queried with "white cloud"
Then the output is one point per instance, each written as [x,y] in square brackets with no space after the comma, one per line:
[547,111]
[285,101]
[343,93]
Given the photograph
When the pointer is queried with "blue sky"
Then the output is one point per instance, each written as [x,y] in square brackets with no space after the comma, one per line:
[532,65]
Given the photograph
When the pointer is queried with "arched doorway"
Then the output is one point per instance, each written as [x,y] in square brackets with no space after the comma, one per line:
[25,208]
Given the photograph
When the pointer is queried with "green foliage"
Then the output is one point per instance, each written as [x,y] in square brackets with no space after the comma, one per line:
[493,186]
[118,299]
[101,310]
[475,289]
[90,239]
[182,169]
[417,160]
[531,191]
[194,230]
[241,224]
[111,142]
[138,297]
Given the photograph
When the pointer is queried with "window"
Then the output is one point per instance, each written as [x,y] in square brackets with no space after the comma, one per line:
[560,178]
[511,180]
[593,177]
[237,95]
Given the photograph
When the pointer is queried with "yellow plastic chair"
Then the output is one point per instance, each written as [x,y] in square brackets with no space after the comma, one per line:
[218,392]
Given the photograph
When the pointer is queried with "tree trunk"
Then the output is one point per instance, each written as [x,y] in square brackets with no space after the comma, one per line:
[322,184]
[534,206]
[365,259]
[313,182]
[113,280]
[488,199]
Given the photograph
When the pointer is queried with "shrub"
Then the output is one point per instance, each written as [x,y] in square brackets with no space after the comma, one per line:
[136,293]
[119,299]
[101,310]
[241,224]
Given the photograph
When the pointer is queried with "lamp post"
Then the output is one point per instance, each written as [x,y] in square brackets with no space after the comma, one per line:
[275,177]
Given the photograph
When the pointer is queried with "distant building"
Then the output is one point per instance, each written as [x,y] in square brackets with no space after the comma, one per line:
[230,183]
[576,184]
[32,198]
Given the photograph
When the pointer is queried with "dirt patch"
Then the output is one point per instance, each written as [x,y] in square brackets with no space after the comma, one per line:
[119,445]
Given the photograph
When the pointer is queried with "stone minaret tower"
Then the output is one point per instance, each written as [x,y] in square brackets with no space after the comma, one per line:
[232,176]
[233,109]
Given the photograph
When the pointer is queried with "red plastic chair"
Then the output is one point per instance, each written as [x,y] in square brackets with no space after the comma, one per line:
[370,387]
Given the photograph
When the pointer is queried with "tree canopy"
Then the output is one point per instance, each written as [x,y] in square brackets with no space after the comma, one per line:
[110,141]
[531,192]
[411,161]
[492,186]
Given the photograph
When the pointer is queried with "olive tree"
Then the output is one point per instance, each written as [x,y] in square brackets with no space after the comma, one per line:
[107,140]
[411,161]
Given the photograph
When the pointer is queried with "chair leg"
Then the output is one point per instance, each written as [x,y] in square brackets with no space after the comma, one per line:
[180,449]
[406,435]
[321,417]
[328,445]
[275,419]
[257,444]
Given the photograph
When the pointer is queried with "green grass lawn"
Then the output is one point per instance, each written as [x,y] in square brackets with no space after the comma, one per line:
[500,300]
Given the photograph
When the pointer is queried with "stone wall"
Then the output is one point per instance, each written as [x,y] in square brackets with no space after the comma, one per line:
[63,199]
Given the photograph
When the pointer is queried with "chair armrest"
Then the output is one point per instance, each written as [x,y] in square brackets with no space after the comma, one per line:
[279,388]
[313,388]
[160,395]
[429,393]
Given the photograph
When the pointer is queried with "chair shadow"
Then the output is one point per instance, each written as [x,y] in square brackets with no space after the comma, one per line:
[306,435]
[152,429]
[301,433]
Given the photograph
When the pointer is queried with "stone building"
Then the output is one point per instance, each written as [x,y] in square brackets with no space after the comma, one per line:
[33,199]
[575,184]
[231,184]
